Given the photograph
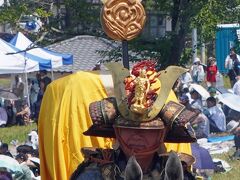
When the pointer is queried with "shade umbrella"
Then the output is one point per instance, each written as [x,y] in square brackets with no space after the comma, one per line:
[10,164]
[202,156]
[201,90]
[230,100]
[8,95]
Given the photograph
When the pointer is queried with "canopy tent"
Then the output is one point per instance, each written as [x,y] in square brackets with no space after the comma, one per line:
[21,42]
[8,48]
[10,64]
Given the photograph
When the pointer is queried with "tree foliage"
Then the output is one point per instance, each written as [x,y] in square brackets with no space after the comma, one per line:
[215,12]
[12,11]
[83,17]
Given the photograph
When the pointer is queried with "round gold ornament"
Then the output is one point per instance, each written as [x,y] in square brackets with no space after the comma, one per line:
[123,19]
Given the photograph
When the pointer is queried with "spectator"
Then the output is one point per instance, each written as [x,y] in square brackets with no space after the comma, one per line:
[4,150]
[229,65]
[216,116]
[10,112]
[196,100]
[184,100]
[3,117]
[184,81]
[212,91]
[18,87]
[211,72]
[22,160]
[236,87]
[197,71]
[200,125]
[233,127]
[23,117]
[33,96]
[47,80]
[38,103]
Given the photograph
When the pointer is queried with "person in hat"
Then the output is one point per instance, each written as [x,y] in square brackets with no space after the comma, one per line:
[65,116]
[197,71]
[139,138]
[211,72]
[196,100]
[212,91]
[234,128]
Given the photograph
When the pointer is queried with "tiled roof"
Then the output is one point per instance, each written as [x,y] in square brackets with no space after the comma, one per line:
[84,50]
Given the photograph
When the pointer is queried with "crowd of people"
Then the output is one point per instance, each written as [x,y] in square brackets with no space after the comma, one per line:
[19,111]
[213,116]
[26,164]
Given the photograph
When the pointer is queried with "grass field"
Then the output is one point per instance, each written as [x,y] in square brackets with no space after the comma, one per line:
[16,133]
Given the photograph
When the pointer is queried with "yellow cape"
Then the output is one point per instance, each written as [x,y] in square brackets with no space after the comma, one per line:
[64,116]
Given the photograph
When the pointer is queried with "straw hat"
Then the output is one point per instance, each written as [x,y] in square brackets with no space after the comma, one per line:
[232,125]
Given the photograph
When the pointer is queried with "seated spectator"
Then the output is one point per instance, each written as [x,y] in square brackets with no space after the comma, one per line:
[186,92]
[23,117]
[212,91]
[184,100]
[236,86]
[22,160]
[196,100]
[215,115]
[4,150]
[200,125]
[234,128]
[25,149]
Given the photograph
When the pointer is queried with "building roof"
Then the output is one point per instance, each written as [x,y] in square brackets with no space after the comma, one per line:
[84,50]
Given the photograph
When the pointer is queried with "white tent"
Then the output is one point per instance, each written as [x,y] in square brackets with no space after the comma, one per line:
[21,42]
[9,48]
[10,64]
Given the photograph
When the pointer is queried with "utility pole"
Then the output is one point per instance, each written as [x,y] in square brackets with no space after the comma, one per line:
[203,59]
[194,44]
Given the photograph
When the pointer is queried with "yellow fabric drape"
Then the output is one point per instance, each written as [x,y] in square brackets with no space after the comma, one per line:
[64,116]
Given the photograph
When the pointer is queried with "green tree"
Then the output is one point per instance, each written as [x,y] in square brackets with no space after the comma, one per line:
[83,17]
[12,11]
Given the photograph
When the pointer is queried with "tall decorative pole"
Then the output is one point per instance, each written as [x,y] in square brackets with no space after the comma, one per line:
[123,20]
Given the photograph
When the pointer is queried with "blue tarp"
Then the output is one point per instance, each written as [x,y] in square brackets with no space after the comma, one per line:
[220,139]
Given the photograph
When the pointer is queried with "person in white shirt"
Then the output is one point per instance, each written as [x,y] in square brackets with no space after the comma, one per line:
[185,80]
[236,86]
[196,100]
[197,71]
[3,117]
[229,65]
[216,116]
